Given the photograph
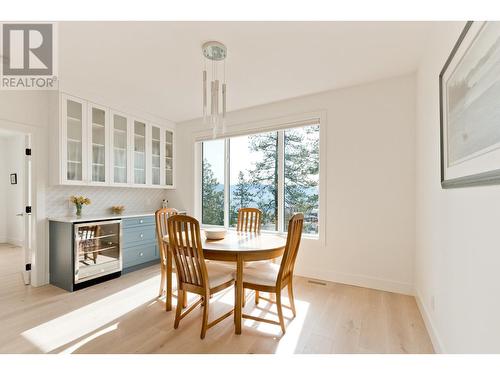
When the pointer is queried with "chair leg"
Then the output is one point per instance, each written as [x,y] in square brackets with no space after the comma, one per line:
[204,323]
[290,297]
[184,299]
[280,310]
[162,281]
[256,297]
[178,310]
[168,281]
[244,298]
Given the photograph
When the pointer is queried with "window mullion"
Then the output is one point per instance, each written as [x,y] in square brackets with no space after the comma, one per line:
[227,182]
[281,180]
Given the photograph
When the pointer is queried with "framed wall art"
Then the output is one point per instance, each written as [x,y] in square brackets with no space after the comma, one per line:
[469,86]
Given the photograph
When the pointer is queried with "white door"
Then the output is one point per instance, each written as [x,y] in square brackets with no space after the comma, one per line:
[28,240]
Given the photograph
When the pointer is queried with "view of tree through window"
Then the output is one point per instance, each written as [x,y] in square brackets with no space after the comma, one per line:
[213,182]
[302,175]
[254,174]
[254,177]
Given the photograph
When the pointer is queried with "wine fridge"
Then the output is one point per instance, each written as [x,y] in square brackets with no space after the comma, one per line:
[97,249]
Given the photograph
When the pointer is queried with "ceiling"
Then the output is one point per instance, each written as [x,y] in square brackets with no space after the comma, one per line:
[156,67]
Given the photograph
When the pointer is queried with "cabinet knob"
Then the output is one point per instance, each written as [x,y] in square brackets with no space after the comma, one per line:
[141,254]
[142,235]
[141,221]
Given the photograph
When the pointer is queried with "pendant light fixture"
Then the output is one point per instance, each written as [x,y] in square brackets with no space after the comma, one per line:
[214,53]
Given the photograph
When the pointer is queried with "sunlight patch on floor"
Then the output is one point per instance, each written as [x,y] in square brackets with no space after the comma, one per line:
[82,321]
[89,338]
[288,342]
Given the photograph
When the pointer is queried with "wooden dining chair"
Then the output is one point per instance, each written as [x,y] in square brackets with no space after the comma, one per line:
[249,220]
[194,275]
[162,216]
[272,278]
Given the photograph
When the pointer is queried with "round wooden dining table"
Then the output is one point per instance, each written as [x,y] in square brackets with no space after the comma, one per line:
[240,247]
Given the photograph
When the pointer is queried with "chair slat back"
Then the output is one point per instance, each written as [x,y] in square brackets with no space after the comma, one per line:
[185,244]
[249,219]
[292,246]
[162,216]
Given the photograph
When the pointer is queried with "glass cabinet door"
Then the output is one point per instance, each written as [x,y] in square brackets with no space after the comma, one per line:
[169,158]
[74,119]
[120,149]
[139,152]
[155,155]
[98,151]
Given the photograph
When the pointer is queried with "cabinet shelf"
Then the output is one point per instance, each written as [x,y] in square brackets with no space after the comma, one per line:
[74,162]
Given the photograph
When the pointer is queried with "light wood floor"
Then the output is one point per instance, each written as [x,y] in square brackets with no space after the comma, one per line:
[125,316]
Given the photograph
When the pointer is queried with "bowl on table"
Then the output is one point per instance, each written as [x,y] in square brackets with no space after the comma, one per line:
[215,233]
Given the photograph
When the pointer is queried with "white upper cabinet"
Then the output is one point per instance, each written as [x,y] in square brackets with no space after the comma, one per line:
[120,146]
[74,140]
[139,153]
[100,146]
[155,155]
[168,177]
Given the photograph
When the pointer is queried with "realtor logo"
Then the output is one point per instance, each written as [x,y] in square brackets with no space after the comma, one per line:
[28,56]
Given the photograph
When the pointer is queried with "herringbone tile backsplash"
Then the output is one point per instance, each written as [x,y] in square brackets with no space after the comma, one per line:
[102,198]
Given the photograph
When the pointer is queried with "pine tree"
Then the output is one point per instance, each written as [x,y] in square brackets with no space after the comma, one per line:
[301,174]
[241,197]
[264,175]
[212,197]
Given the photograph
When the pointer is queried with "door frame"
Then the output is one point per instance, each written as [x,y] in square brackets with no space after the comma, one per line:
[30,247]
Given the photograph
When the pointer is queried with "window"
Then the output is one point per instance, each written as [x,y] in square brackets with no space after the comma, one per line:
[277,172]
[254,177]
[213,183]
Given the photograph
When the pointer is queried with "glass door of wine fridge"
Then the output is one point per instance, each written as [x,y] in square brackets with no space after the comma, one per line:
[97,249]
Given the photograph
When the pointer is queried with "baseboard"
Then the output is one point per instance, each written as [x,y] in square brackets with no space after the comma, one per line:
[15,242]
[436,342]
[358,280]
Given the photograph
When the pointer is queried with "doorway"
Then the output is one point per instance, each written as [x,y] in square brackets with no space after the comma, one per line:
[15,203]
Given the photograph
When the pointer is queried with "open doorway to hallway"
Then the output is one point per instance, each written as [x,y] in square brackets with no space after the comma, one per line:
[15,181]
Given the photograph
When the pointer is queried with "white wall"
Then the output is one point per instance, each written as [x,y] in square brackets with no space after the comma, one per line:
[458,236]
[370,181]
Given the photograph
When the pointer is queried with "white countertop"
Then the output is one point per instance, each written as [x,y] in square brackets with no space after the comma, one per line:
[83,218]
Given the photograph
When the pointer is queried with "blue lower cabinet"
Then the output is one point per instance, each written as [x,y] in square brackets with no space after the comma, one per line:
[139,235]
[137,255]
[139,241]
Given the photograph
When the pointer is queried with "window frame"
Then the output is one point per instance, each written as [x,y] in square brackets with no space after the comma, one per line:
[279,125]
